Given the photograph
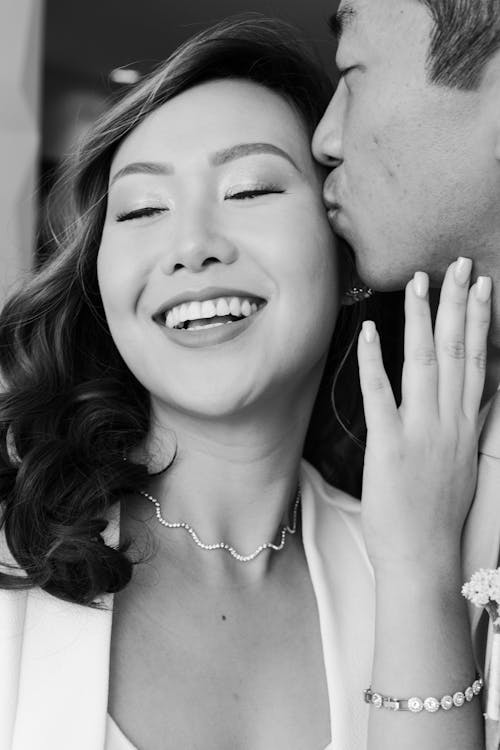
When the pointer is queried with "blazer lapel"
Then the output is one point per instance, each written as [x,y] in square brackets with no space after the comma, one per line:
[63,679]
[54,661]
[12,615]
[343,582]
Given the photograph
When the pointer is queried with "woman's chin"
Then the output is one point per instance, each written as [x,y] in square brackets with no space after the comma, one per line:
[205,404]
[226,401]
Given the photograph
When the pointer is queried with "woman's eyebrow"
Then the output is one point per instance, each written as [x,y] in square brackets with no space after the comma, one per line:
[246,149]
[143,167]
[216,159]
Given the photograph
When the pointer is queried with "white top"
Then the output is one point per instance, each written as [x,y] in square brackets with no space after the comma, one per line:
[342,579]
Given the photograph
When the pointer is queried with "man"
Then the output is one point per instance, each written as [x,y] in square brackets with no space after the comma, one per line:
[412,137]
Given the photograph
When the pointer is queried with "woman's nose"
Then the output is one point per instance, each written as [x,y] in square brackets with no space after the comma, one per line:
[327,145]
[196,247]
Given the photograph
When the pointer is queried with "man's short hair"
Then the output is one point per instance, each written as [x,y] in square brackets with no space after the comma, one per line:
[466,36]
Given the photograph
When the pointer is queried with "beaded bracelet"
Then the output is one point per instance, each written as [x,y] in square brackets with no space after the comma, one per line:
[416,705]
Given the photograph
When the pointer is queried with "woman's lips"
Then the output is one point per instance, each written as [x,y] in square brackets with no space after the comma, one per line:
[211,312]
[209,315]
[202,295]
[212,331]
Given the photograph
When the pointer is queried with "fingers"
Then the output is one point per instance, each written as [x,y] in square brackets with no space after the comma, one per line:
[420,371]
[381,412]
[450,337]
[476,342]
[444,374]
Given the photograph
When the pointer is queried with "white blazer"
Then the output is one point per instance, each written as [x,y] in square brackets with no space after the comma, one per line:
[54,656]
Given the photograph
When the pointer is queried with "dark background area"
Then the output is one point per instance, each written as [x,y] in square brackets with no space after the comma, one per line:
[86,39]
[91,37]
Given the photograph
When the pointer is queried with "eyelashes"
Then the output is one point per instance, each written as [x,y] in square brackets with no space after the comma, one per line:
[238,195]
[254,193]
[140,213]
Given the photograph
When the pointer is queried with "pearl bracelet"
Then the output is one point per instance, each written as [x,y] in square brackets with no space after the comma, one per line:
[416,705]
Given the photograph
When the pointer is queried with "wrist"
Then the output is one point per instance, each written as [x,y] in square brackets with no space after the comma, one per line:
[431,570]
[422,587]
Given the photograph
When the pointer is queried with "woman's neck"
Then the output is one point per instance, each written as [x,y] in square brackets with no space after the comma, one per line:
[233,480]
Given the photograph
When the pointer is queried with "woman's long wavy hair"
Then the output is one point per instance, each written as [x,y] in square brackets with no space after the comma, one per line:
[70,409]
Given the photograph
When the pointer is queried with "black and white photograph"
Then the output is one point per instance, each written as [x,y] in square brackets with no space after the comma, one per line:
[250,375]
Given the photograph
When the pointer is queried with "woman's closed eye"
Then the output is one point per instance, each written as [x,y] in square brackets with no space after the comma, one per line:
[253,192]
[141,213]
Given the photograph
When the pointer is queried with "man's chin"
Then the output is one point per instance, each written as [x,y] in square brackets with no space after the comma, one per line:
[375,267]
[381,276]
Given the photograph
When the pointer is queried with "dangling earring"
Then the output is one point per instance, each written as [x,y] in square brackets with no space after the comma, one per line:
[357,293]
[357,290]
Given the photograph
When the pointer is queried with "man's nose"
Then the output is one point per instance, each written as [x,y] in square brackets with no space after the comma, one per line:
[196,244]
[327,142]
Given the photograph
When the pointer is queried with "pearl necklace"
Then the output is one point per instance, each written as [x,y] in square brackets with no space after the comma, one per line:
[222,545]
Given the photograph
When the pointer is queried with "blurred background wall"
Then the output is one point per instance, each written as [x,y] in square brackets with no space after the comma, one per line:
[57,61]
[21,36]
[89,44]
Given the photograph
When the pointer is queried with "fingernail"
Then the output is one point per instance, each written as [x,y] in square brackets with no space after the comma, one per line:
[421,284]
[463,268]
[369,331]
[483,288]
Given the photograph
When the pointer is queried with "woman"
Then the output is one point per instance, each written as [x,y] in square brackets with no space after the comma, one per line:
[162,368]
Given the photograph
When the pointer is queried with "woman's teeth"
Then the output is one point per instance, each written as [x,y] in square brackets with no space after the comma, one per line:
[210,313]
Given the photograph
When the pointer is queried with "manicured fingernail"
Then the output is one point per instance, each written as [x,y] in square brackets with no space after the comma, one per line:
[369,331]
[483,288]
[421,284]
[463,268]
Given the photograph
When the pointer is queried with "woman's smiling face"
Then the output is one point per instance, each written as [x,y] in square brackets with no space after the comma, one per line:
[217,267]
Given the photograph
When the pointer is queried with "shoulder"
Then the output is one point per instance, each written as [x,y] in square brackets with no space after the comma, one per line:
[331,518]
[333,539]
[327,496]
